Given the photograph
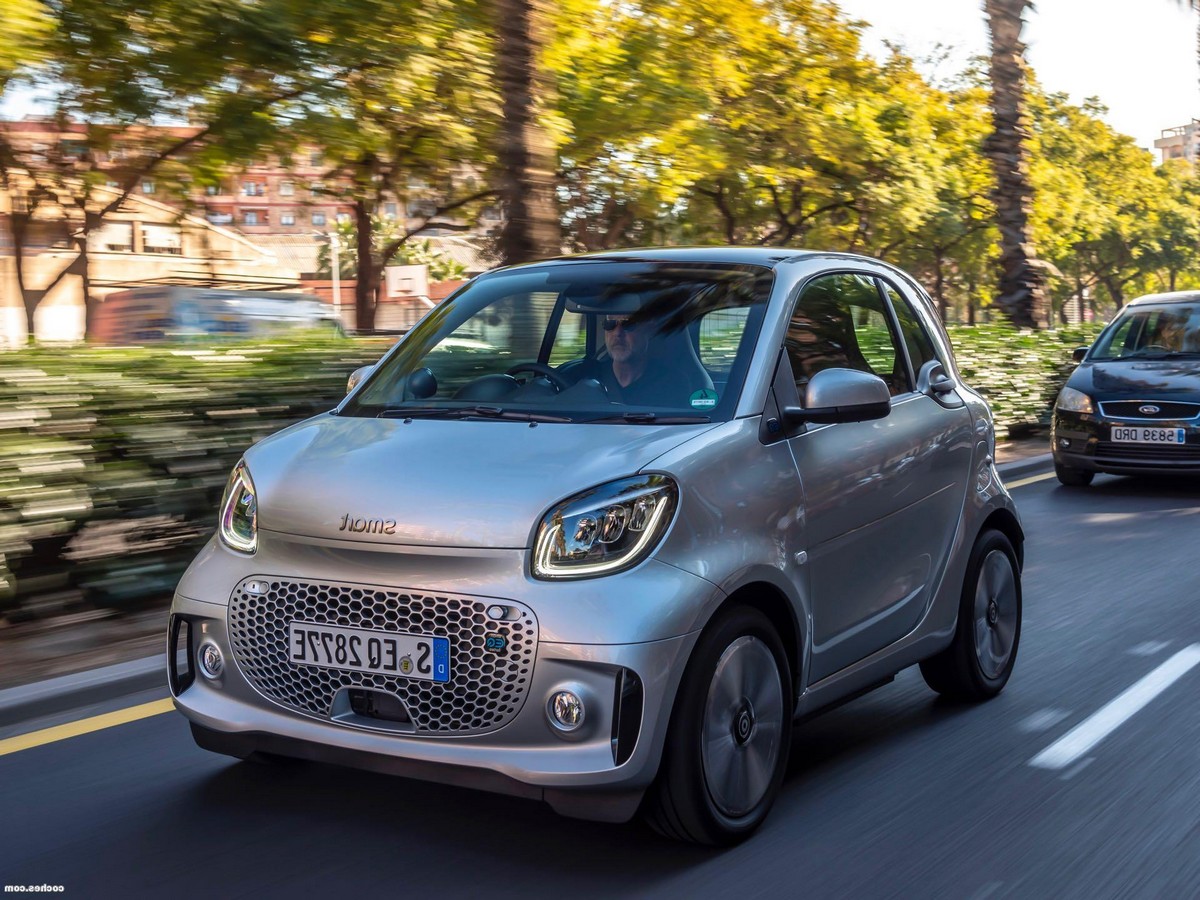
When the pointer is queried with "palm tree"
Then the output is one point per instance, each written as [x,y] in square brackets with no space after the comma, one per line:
[531,228]
[1022,295]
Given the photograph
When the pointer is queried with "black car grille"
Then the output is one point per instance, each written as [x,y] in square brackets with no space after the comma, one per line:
[486,688]
[1149,452]
[1133,409]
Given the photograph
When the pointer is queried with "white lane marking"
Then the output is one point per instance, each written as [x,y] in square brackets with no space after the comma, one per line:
[1149,648]
[1040,721]
[1088,733]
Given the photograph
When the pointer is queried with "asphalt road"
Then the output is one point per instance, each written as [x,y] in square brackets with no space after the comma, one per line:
[897,794]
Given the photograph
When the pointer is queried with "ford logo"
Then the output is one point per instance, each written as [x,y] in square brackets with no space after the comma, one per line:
[1149,410]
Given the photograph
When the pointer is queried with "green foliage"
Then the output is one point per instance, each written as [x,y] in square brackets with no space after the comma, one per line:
[1019,372]
[113,461]
[384,232]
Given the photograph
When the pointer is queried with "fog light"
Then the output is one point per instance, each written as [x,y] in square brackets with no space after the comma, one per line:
[566,711]
[211,661]
[1064,443]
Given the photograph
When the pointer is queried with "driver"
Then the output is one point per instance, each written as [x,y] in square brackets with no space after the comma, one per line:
[636,372]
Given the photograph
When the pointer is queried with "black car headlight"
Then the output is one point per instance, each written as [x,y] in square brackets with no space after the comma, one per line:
[239,512]
[605,529]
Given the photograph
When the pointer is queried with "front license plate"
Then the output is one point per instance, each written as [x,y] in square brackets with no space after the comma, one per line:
[1140,435]
[419,656]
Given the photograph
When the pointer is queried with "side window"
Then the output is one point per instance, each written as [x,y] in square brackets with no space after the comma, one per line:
[920,347]
[720,336]
[840,322]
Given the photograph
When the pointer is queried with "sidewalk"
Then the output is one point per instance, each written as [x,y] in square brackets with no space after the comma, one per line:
[33,652]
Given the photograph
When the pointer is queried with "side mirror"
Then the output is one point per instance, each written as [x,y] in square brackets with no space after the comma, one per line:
[356,376]
[932,379]
[1079,353]
[841,395]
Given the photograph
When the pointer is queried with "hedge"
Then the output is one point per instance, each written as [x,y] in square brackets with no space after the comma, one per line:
[113,461]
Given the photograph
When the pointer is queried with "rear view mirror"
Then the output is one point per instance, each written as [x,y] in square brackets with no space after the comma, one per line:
[1079,353]
[841,395]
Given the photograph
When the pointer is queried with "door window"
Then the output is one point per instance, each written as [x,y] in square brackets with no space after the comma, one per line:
[840,322]
[920,347]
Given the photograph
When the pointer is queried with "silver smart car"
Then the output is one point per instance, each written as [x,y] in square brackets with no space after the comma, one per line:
[599,529]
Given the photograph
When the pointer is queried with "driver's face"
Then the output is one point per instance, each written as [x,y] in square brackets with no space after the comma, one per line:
[624,343]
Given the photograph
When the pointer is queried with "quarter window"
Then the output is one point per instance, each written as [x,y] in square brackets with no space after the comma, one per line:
[840,322]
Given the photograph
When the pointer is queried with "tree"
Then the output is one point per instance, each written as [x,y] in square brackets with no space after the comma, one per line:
[417,129]
[1022,283]
[237,73]
[525,157]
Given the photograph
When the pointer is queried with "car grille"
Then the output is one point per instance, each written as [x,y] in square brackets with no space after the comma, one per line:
[1131,409]
[1150,452]
[486,689]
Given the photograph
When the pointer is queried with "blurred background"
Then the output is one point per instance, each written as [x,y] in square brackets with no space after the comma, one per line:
[210,213]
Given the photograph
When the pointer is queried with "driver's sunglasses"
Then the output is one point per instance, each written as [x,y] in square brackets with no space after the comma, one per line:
[626,325]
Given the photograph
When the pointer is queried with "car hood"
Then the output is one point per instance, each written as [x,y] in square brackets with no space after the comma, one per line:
[439,483]
[1147,379]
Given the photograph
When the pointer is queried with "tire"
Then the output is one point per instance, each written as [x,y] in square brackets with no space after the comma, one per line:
[729,736]
[1072,477]
[979,661]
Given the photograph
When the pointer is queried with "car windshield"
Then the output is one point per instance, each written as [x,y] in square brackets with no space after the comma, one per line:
[1149,332]
[591,341]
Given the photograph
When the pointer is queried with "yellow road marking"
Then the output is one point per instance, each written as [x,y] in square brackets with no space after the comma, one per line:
[1021,482]
[84,726]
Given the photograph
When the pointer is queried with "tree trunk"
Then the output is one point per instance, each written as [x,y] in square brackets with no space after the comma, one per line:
[939,285]
[365,287]
[1022,294]
[531,228]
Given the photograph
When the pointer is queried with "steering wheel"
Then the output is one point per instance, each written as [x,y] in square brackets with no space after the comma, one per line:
[1159,347]
[538,368]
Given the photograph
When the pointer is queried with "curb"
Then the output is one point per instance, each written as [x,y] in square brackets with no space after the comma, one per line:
[67,692]
[1033,465]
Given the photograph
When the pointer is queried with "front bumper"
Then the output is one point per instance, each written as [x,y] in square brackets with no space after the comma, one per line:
[1083,441]
[598,771]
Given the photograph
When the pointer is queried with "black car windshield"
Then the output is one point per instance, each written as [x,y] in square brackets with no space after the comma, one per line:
[1152,331]
[625,341]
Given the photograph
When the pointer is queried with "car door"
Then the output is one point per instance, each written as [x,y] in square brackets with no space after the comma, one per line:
[882,497]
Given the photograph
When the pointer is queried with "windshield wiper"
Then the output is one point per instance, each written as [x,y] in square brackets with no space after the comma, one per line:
[649,418]
[468,412]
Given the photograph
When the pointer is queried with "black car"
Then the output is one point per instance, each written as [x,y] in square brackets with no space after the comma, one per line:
[1133,405]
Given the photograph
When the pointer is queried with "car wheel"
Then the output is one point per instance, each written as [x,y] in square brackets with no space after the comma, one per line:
[1072,477]
[978,663]
[729,736]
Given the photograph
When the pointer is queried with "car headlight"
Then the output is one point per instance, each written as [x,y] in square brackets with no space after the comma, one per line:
[239,512]
[605,529]
[1074,401]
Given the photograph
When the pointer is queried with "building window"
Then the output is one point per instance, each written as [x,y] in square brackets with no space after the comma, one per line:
[147,187]
[252,189]
[250,218]
[286,189]
[287,218]
[112,184]
[314,158]
[389,210]
[316,187]
[211,190]
[343,217]
[318,218]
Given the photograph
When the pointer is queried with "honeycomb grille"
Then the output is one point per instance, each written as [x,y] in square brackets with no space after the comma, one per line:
[486,689]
